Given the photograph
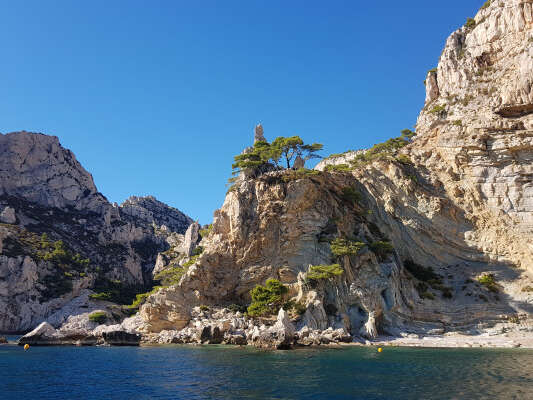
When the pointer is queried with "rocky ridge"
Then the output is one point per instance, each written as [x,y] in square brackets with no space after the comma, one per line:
[89,243]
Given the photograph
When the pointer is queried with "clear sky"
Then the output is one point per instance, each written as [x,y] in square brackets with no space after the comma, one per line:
[156,97]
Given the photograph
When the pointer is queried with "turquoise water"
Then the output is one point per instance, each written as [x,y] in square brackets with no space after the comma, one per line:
[213,372]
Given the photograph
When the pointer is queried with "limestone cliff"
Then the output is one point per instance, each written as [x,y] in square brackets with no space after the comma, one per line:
[455,205]
[88,242]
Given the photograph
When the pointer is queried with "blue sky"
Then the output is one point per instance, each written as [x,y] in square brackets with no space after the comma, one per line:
[156,97]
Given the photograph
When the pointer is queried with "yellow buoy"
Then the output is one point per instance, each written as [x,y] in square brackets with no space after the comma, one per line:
[26,346]
[380,349]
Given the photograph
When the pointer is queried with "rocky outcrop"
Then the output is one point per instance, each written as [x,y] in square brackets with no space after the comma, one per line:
[151,211]
[46,335]
[35,167]
[44,190]
[259,134]
[279,336]
[338,159]
[429,221]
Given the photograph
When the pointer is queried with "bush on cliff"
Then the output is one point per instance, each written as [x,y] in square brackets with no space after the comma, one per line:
[267,300]
[324,272]
[344,247]
[350,195]
[381,249]
[489,281]
[98,316]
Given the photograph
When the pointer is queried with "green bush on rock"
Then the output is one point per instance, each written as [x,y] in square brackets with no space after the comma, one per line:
[350,195]
[98,316]
[344,247]
[324,272]
[266,300]
[489,281]
[382,249]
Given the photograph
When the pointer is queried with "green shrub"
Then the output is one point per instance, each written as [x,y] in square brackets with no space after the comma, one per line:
[380,151]
[115,291]
[141,298]
[439,109]
[527,289]
[351,195]
[98,316]
[59,255]
[432,70]
[101,296]
[427,295]
[489,281]
[191,261]
[337,155]
[344,247]
[237,308]
[170,276]
[404,159]
[206,231]
[298,307]
[382,249]
[424,274]
[470,23]
[198,250]
[458,122]
[203,307]
[266,300]
[319,272]
[408,134]
[486,4]
[338,168]
[302,173]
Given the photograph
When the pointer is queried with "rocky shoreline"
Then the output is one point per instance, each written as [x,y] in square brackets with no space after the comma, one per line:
[222,326]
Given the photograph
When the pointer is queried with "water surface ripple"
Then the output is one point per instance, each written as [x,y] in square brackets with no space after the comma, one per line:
[216,372]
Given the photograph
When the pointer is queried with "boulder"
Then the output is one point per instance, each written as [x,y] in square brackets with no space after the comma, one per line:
[44,334]
[7,216]
[279,336]
[121,338]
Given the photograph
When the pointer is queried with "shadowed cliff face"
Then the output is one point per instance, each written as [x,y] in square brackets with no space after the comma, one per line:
[462,205]
[43,189]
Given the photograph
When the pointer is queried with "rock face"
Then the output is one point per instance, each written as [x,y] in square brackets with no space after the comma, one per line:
[44,190]
[35,167]
[338,159]
[151,211]
[456,206]
[476,132]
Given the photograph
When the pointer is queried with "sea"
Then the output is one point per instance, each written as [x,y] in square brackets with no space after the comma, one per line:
[223,372]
